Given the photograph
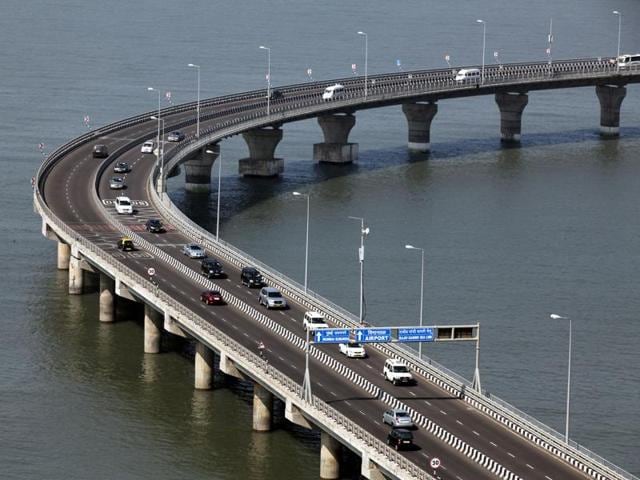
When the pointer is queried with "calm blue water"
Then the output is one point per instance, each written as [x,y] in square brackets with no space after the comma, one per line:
[511,235]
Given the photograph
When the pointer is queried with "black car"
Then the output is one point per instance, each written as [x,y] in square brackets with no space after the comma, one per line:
[121,167]
[275,95]
[100,151]
[154,225]
[400,438]
[211,268]
[251,277]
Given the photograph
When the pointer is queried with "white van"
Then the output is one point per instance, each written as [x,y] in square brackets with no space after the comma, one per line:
[629,61]
[332,92]
[468,75]
[314,321]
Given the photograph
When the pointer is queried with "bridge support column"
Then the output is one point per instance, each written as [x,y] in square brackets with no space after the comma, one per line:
[262,408]
[64,252]
[610,97]
[107,298]
[197,170]
[262,143]
[75,273]
[203,367]
[153,321]
[329,457]
[511,106]
[336,147]
[419,117]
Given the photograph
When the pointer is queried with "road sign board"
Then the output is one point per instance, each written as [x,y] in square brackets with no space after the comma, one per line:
[151,271]
[420,334]
[331,335]
[372,335]
[435,462]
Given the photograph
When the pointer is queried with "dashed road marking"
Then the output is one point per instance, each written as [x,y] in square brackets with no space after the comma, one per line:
[511,455]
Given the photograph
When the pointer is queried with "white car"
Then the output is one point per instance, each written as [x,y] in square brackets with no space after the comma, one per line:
[147,147]
[396,371]
[352,350]
[332,92]
[124,206]
[314,321]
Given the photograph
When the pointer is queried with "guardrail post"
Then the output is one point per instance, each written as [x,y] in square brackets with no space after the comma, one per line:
[153,321]
[203,367]
[419,117]
[336,147]
[107,298]
[610,97]
[511,106]
[262,408]
[329,457]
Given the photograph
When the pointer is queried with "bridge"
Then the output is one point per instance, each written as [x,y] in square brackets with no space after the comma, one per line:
[476,436]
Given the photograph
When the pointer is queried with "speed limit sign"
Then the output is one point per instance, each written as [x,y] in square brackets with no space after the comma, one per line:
[435,463]
[151,271]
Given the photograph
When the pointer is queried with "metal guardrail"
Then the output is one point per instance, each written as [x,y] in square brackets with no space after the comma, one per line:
[383,88]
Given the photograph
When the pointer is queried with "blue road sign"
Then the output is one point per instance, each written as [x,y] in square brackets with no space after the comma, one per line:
[331,335]
[372,335]
[419,334]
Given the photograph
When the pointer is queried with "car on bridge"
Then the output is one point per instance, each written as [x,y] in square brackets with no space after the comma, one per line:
[153,225]
[211,268]
[314,321]
[123,206]
[251,277]
[193,250]
[352,350]
[175,136]
[125,244]
[147,147]
[271,298]
[100,151]
[397,372]
[117,183]
[121,167]
[212,297]
[398,418]
[332,92]
[400,438]
[275,94]
[468,75]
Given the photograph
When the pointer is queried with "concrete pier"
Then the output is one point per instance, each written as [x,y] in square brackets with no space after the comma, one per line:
[262,408]
[329,457]
[153,321]
[262,143]
[610,97]
[336,147]
[76,274]
[64,252]
[511,106]
[203,367]
[419,117]
[197,170]
[107,298]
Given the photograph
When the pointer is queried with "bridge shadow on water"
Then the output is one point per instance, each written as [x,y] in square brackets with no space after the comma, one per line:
[241,193]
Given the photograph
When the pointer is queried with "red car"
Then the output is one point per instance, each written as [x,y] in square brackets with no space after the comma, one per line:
[212,297]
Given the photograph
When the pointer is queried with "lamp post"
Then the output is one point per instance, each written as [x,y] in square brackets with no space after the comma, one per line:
[363,233]
[366,60]
[553,316]
[411,247]
[160,182]
[306,249]
[484,38]
[197,67]
[151,89]
[268,76]
[619,14]
[219,189]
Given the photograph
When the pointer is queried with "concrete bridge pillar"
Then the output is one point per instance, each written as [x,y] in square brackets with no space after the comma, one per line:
[336,147]
[610,97]
[153,321]
[75,273]
[262,408]
[511,106]
[329,457]
[262,143]
[419,117]
[197,170]
[203,367]
[64,252]
[107,298]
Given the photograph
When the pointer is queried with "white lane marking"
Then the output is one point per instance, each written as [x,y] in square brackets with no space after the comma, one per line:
[347,402]
[377,423]
[362,413]
[427,403]
[511,455]
[333,394]
[411,393]
[495,445]
[548,477]
[443,412]
[529,466]
[319,384]
[475,433]
[459,422]
[369,366]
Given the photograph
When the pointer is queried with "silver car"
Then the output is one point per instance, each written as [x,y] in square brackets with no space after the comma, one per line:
[271,298]
[398,418]
[175,136]
[116,183]
[193,250]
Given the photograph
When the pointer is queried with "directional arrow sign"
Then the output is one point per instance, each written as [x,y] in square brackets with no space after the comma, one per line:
[419,334]
[331,335]
[372,335]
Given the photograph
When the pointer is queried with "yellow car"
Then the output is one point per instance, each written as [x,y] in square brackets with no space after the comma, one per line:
[125,244]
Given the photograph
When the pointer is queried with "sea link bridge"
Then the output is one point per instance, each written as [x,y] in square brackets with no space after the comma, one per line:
[475,436]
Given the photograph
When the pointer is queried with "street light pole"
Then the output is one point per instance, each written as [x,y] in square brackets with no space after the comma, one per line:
[268,77]
[484,38]
[363,233]
[306,249]
[151,89]
[306,383]
[411,247]
[211,152]
[197,67]
[366,60]
[553,316]
[160,159]
[619,14]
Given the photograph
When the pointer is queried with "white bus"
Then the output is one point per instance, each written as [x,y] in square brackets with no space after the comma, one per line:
[629,61]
